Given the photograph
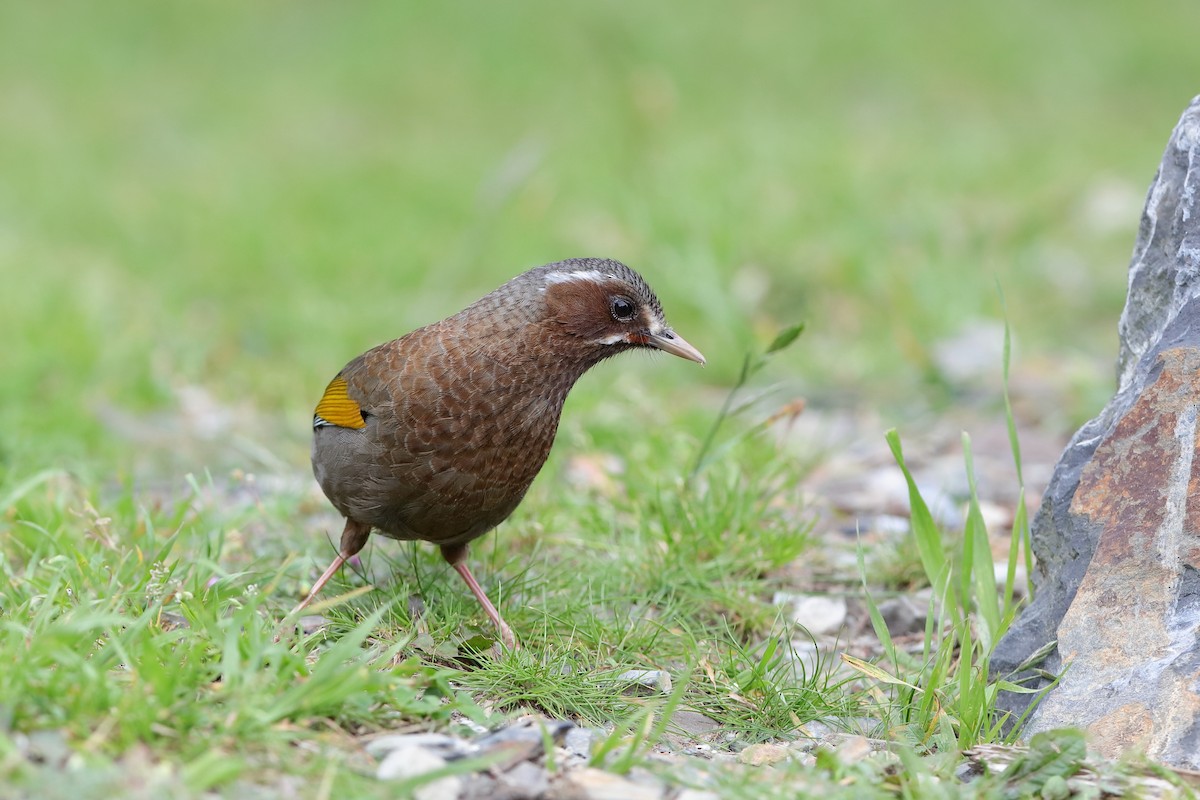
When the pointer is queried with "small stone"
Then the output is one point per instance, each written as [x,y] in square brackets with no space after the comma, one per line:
[902,616]
[816,613]
[763,754]
[693,723]
[596,784]
[522,741]
[812,731]
[411,762]
[657,679]
[853,749]
[579,741]
[311,623]
[482,786]
[529,777]
[697,794]
[45,747]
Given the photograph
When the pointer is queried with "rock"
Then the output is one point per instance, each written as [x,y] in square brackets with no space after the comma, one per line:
[693,723]
[522,741]
[817,613]
[763,754]
[413,761]
[482,786]
[527,777]
[579,742]
[655,679]
[902,616]
[594,784]
[48,747]
[853,749]
[697,794]
[1117,536]
[813,732]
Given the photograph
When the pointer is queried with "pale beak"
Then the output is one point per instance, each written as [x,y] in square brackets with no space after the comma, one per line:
[670,342]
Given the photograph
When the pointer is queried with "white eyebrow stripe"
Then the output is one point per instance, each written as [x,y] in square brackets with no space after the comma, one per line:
[571,277]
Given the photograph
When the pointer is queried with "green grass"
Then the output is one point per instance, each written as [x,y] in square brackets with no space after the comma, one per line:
[205,210]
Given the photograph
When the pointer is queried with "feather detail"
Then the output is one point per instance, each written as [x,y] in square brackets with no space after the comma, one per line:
[337,408]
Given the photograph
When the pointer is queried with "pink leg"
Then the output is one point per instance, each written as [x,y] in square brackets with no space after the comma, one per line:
[354,536]
[505,632]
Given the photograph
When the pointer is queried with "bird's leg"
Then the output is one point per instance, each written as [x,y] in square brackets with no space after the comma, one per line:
[354,537]
[456,555]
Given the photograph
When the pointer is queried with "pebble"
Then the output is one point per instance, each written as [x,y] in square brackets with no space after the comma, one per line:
[853,748]
[763,754]
[413,761]
[523,741]
[579,742]
[902,616]
[657,679]
[693,723]
[595,784]
[529,777]
[818,614]
[697,794]
[813,731]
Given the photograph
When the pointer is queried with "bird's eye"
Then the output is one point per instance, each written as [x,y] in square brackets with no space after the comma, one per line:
[622,308]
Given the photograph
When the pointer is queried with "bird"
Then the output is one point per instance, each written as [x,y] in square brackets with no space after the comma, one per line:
[437,436]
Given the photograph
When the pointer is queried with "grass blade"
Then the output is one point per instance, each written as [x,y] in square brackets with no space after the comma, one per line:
[924,529]
[978,563]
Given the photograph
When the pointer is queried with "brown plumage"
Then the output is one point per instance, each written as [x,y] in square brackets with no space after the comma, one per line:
[437,435]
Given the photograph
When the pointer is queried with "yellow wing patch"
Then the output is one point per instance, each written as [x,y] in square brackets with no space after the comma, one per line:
[337,408]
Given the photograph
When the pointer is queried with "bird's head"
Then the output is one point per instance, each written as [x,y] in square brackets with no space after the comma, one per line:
[605,306]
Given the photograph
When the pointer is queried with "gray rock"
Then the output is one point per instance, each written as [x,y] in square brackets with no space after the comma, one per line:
[414,761]
[812,732]
[527,777]
[594,784]
[656,679]
[1116,578]
[763,754]
[697,794]
[693,723]
[819,614]
[902,616]
[579,741]
[524,740]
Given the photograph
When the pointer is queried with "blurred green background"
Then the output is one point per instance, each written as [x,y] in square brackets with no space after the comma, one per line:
[218,204]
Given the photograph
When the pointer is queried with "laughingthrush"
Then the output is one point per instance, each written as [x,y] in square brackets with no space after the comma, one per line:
[438,434]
